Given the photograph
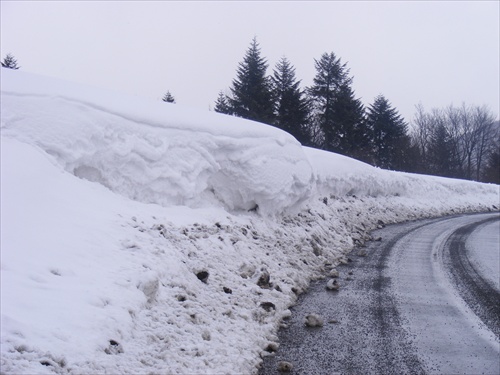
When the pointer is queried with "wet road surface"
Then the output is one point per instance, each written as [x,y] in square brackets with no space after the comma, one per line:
[414,304]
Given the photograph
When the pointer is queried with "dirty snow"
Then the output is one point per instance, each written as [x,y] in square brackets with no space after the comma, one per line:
[143,237]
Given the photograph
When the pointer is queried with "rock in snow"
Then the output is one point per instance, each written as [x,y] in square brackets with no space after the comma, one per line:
[332,284]
[313,320]
[284,366]
[139,237]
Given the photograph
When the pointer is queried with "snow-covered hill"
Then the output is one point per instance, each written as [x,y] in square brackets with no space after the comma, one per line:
[143,237]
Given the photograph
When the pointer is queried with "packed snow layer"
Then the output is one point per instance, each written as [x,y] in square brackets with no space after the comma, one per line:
[143,237]
[340,176]
[156,152]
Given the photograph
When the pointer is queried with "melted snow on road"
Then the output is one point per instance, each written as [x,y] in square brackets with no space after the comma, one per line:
[146,237]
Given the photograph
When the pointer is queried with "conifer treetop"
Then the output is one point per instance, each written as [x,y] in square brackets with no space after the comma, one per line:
[168,98]
[10,62]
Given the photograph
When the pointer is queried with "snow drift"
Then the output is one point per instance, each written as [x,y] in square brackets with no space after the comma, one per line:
[142,237]
[154,152]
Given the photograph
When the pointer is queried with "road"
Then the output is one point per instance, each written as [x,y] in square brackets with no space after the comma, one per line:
[424,299]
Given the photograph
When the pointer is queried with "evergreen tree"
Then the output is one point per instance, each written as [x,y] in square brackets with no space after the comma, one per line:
[10,62]
[440,152]
[291,106]
[168,98]
[413,159]
[251,90]
[351,136]
[331,76]
[492,170]
[222,104]
[390,141]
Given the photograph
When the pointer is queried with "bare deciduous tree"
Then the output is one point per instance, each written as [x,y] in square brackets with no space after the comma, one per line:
[470,132]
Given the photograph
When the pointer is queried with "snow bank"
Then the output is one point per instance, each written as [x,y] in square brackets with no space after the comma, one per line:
[163,266]
[156,152]
[340,176]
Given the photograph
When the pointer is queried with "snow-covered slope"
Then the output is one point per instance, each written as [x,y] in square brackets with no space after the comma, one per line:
[154,152]
[141,237]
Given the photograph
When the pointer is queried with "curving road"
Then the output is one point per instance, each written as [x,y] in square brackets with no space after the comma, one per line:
[425,299]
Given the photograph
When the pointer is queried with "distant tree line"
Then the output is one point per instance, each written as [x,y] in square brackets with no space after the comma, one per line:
[460,142]
[454,142]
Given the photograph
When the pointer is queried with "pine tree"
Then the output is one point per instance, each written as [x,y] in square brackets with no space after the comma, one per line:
[168,98]
[390,141]
[291,106]
[331,75]
[440,152]
[351,136]
[10,62]
[492,171]
[222,104]
[251,90]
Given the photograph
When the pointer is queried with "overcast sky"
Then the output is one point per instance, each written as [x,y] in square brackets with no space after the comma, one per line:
[433,52]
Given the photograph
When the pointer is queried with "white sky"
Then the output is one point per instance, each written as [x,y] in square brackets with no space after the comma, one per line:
[433,52]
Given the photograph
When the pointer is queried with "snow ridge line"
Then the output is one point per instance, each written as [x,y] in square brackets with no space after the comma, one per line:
[158,125]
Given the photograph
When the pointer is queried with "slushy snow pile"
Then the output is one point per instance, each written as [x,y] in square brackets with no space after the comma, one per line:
[141,237]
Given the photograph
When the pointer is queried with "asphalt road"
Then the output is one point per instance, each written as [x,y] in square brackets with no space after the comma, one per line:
[416,303]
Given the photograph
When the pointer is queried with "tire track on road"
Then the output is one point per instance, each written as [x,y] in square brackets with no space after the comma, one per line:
[478,293]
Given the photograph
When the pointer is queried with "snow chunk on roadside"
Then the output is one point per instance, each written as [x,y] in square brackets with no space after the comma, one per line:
[157,153]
